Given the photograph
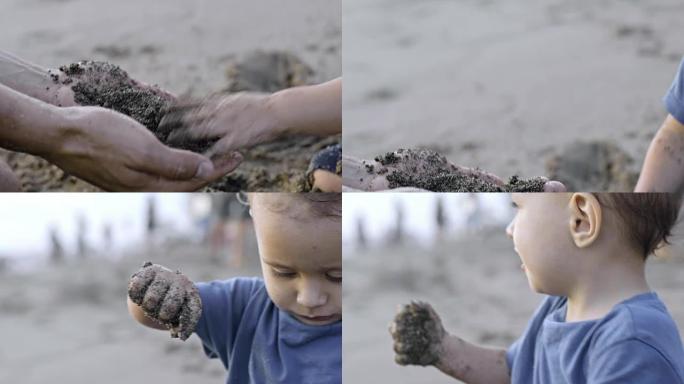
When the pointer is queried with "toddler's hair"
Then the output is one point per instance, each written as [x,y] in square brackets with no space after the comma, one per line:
[647,218]
[327,205]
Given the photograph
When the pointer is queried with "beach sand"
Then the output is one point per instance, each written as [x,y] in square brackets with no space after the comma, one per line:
[474,282]
[70,324]
[505,87]
[187,48]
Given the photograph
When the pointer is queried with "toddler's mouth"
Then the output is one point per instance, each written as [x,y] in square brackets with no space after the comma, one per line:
[317,320]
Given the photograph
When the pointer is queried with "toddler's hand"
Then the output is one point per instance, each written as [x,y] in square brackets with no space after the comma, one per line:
[418,335]
[225,123]
[167,297]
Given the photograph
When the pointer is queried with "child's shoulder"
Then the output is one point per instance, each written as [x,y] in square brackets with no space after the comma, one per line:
[640,310]
[644,318]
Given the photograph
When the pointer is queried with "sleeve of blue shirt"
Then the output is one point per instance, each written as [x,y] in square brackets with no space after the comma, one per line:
[631,361]
[511,352]
[223,304]
[674,99]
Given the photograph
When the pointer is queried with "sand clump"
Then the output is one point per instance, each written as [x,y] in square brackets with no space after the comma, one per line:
[429,170]
[418,333]
[167,297]
[107,85]
[593,166]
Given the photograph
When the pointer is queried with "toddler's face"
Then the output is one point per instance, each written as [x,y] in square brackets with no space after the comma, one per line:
[541,237]
[301,261]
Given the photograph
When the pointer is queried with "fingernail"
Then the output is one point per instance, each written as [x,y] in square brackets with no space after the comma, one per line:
[205,170]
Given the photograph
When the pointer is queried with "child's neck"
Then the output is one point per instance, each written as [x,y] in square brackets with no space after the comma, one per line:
[605,285]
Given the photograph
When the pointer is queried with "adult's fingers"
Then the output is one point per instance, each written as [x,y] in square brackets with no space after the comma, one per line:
[174,164]
[361,174]
[220,167]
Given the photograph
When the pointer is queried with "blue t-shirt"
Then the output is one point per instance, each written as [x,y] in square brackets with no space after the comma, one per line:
[258,343]
[636,342]
[674,99]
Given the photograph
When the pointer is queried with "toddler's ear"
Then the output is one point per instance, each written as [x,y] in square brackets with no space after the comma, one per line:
[585,219]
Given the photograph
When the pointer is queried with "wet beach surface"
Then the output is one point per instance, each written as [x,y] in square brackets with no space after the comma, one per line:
[503,87]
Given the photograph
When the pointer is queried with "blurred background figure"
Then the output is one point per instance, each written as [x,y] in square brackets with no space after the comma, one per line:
[229,223]
[151,215]
[107,238]
[397,234]
[361,239]
[81,232]
[419,219]
[440,219]
[151,218]
[473,211]
[56,248]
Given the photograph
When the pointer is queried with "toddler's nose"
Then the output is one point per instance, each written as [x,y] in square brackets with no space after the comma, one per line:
[311,295]
[509,230]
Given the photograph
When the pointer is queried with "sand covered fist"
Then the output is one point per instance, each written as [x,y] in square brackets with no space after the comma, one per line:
[168,297]
[418,335]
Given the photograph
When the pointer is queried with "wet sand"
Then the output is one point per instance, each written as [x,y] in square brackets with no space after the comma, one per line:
[197,57]
[167,297]
[504,87]
[475,285]
[70,323]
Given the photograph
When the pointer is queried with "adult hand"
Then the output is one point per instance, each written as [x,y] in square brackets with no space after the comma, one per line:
[237,121]
[116,153]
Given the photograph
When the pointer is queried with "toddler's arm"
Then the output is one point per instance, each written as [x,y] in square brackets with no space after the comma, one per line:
[241,120]
[420,339]
[162,299]
[663,169]
[311,109]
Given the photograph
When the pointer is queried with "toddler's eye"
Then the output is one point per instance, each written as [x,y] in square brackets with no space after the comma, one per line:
[283,272]
[334,276]
[514,204]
